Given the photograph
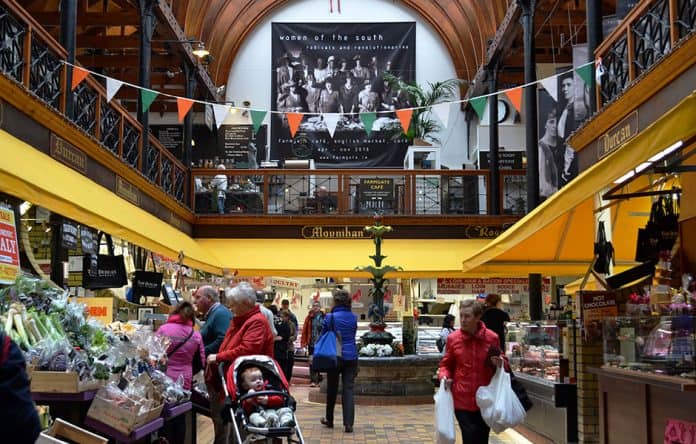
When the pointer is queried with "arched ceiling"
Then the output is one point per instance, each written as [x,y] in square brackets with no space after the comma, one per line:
[464,26]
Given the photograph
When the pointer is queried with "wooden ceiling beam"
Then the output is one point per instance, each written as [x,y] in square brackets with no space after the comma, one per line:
[115,18]
[124,61]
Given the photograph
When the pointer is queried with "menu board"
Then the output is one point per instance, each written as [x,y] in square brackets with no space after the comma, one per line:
[171,136]
[68,235]
[596,305]
[234,141]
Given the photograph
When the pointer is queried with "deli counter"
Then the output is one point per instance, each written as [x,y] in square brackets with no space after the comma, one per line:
[647,385]
[535,352]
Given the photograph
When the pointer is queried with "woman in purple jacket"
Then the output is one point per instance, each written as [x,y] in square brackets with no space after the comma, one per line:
[185,342]
[346,324]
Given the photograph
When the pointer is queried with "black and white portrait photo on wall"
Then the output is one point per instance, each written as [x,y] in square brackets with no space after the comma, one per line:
[333,72]
[563,105]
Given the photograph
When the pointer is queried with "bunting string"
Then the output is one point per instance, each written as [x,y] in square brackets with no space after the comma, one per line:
[441,109]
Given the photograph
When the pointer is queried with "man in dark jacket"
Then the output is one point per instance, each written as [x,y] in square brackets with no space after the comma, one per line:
[217,321]
[19,418]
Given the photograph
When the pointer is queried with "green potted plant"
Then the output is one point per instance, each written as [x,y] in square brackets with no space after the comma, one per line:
[424,126]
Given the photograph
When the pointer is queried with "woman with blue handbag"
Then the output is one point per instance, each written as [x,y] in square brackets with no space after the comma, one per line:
[345,323]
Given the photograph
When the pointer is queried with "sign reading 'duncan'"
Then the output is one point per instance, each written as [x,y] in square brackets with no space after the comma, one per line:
[68,154]
[618,135]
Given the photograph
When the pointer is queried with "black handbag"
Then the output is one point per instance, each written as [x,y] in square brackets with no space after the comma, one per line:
[647,248]
[103,270]
[669,223]
[604,251]
[147,283]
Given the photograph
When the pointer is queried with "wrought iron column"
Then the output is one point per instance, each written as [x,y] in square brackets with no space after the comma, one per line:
[530,104]
[594,38]
[190,87]
[493,158]
[188,131]
[68,26]
[147,29]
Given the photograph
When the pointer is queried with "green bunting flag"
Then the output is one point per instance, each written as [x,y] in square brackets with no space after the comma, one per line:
[479,105]
[368,119]
[257,118]
[585,73]
[147,96]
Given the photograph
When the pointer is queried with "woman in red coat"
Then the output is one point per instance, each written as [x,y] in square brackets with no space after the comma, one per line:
[249,332]
[471,357]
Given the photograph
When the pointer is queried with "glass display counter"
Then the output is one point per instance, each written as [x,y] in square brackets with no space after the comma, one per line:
[661,345]
[647,383]
[534,351]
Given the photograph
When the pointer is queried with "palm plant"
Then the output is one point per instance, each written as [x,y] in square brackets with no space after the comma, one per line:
[423,125]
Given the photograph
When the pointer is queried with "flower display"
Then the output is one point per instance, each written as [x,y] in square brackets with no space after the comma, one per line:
[378,350]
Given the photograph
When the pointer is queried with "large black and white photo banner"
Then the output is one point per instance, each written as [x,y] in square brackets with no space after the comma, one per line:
[333,73]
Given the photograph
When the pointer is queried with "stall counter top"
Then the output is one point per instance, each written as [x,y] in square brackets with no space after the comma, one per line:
[664,381]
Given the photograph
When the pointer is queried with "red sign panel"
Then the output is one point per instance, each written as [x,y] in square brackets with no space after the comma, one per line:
[9,249]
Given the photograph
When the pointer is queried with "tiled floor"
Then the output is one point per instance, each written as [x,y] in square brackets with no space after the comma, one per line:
[373,425]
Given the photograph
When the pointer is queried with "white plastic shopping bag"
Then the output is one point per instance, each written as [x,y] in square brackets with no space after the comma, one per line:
[444,416]
[500,407]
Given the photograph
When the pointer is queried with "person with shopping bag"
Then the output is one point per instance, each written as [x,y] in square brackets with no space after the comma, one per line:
[471,358]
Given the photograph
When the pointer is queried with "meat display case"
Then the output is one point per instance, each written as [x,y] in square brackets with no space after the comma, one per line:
[534,350]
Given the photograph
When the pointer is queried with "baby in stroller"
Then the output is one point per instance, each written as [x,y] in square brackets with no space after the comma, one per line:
[261,407]
[264,410]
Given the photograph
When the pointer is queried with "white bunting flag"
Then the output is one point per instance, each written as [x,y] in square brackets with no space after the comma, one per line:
[442,110]
[331,120]
[599,70]
[550,84]
[220,112]
[112,87]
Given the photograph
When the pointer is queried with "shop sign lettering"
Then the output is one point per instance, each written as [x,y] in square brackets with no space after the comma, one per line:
[491,285]
[618,135]
[127,191]
[9,251]
[68,154]
[333,232]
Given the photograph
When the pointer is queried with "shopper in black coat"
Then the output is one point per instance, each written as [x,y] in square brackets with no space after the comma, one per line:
[19,420]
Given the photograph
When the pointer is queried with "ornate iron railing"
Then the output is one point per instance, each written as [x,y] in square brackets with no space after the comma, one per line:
[31,57]
[645,36]
[354,192]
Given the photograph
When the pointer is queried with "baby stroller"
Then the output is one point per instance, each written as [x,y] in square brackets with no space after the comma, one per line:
[243,427]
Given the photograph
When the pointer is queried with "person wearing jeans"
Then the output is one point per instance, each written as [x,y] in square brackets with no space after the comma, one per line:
[311,329]
[345,323]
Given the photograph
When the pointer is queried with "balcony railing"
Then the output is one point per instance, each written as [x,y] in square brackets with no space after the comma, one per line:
[354,192]
[30,56]
[649,32]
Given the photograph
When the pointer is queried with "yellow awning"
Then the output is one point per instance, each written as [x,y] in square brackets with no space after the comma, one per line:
[557,238]
[427,258]
[31,175]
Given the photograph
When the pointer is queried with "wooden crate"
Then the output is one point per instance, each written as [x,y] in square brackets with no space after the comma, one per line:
[59,382]
[119,418]
[72,433]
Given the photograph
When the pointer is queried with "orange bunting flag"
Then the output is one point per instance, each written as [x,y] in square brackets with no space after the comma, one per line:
[78,75]
[515,96]
[184,106]
[404,116]
[294,120]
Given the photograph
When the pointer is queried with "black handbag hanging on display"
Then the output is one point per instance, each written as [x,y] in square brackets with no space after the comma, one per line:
[147,283]
[604,251]
[103,270]
[669,225]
